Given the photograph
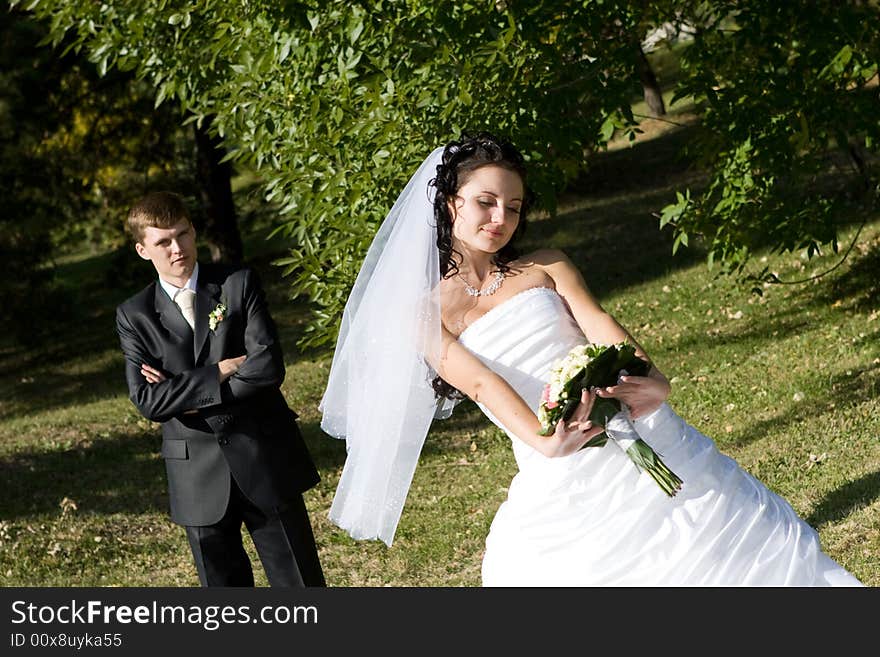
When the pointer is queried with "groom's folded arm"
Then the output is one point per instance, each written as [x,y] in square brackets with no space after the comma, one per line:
[159,402]
[264,366]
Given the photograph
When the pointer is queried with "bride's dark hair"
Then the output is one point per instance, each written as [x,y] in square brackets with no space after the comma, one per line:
[460,159]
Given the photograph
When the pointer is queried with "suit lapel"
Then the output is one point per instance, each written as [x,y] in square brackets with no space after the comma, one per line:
[207,298]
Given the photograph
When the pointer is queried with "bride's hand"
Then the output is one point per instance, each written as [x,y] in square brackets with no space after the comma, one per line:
[642,394]
[573,434]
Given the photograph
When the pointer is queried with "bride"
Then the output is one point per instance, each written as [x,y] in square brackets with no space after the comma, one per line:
[444,307]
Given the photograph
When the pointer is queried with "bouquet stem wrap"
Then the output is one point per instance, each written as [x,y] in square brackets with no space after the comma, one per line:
[621,431]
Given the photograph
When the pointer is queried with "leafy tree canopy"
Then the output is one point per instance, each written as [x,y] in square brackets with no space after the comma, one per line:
[336,102]
[790,120]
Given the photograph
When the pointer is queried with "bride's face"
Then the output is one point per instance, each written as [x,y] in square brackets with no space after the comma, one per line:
[485,212]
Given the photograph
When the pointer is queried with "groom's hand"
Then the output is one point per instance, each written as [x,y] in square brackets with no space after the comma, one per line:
[229,366]
[151,374]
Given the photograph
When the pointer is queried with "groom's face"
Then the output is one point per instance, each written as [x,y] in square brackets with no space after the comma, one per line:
[171,250]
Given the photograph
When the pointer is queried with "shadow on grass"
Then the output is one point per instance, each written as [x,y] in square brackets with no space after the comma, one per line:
[767,329]
[606,223]
[844,388]
[327,452]
[467,420]
[855,289]
[123,473]
[615,246]
[37,382]
[859,284]
[655,163]
[838,504]
[119,474]
[857,384]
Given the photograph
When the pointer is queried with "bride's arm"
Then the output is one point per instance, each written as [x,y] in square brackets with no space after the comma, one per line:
[460,368]
[641,394]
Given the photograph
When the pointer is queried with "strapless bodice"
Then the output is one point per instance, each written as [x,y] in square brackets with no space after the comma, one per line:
[521,339]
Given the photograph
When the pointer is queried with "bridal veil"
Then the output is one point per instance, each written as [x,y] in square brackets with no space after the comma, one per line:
[379,396]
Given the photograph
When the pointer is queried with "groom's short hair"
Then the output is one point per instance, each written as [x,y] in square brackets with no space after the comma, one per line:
[156,210]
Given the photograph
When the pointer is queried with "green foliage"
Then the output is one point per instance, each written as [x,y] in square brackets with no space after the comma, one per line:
[336,103]
[81,146]
[787,98]
[75,148]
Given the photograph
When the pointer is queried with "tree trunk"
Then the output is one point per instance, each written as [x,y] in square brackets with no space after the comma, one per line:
[220,230]
[653,95]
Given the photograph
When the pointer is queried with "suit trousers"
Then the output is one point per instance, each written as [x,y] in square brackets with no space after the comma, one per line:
[284,542]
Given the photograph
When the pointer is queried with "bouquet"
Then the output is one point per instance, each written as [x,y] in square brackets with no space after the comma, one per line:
[589,366]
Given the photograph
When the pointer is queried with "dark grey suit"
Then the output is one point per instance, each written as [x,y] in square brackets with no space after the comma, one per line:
[240,455]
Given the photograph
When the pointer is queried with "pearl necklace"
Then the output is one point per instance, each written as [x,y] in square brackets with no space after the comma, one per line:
[493,286]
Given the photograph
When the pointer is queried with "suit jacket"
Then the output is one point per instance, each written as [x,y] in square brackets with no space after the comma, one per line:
[242,426]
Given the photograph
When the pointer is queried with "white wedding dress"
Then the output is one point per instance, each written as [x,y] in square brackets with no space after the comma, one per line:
[592,519]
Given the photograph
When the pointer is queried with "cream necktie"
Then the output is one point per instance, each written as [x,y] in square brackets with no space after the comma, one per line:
[185,298]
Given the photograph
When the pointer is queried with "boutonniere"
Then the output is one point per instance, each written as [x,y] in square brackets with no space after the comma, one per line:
[217,315]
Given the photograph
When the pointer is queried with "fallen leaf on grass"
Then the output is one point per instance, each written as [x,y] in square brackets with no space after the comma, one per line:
[67,506]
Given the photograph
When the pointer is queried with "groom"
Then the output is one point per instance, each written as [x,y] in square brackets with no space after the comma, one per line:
[202,358]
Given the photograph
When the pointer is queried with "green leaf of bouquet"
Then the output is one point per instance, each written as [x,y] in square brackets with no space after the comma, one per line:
[569,407]
[603,410]
[645,458]
[573,386]
[598,440]
[599,370]
[627,360]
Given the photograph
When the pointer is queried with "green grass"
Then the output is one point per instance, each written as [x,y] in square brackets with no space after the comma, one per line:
[786,383]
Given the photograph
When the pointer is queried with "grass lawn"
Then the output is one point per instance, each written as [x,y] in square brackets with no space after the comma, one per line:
[786,383]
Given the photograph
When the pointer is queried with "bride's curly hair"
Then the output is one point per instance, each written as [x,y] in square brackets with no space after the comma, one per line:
[460,159]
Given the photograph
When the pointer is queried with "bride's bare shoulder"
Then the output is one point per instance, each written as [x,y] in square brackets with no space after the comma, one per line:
[554,265]
[544,258]
[534,269]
